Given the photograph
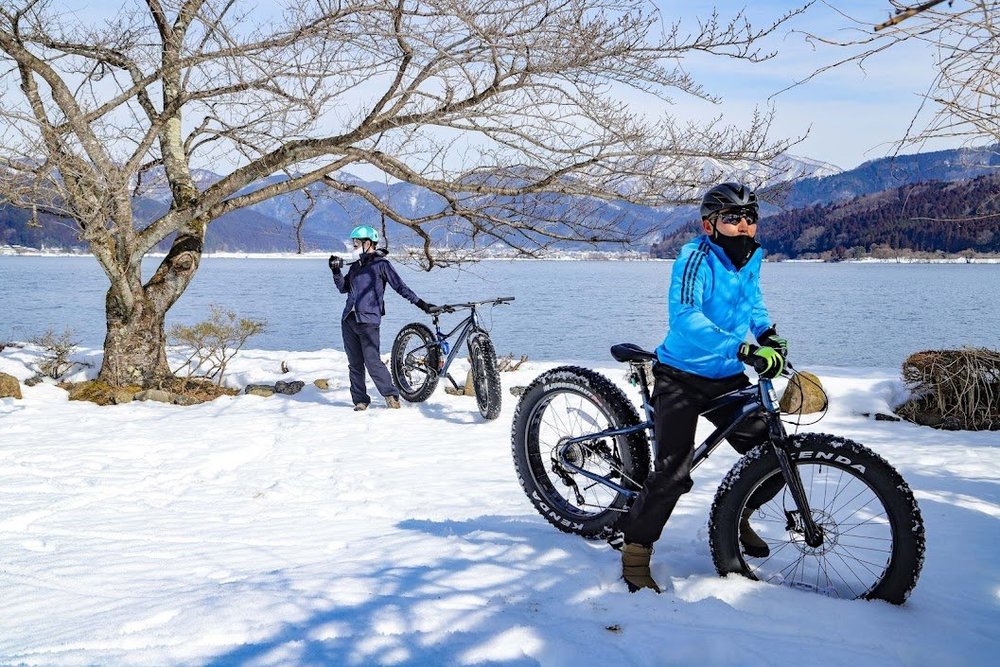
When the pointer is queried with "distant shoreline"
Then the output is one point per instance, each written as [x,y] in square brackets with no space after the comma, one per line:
[563,256]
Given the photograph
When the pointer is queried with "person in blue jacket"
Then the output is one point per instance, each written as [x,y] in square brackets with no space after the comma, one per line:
[714,301]
[364,285]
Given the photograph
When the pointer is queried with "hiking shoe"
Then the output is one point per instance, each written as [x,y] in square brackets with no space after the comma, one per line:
[360,407]
[752,544]
[392,402]
[635,567]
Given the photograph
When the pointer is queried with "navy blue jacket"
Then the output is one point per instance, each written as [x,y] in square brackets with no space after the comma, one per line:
[364,285]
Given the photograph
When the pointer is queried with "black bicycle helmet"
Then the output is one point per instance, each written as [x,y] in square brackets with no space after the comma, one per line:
[729,197]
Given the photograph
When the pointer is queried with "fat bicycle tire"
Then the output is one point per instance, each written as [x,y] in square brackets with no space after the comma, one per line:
[414,362]
[873,534]
[565,392]
[485,375]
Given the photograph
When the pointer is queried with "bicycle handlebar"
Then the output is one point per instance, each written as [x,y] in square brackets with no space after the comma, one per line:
[452,307]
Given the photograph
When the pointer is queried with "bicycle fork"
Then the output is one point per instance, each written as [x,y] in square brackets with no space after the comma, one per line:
[810,529]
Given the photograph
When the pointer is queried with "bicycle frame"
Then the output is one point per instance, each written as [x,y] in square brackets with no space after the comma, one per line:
[465,328]
[754,400]
[468,326]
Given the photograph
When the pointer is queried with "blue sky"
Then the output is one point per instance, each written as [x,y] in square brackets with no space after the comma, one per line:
[850,115]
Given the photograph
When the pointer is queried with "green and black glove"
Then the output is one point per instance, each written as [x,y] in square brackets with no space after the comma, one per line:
[767,361]
[770,338]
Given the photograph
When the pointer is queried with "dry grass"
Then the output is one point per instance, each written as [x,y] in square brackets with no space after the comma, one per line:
[954,389]
[202,389]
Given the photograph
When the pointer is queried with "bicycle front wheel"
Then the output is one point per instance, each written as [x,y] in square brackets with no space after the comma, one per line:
[485,375]
[873,534]
[567,403]
[415,362]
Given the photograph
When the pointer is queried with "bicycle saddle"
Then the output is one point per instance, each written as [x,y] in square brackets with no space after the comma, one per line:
[631,352]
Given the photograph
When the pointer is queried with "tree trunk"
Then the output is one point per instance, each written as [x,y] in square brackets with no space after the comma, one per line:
[135,347]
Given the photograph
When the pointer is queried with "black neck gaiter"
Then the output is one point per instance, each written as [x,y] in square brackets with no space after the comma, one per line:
[737,248]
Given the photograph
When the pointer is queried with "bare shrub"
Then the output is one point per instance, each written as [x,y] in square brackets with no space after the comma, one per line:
[954,389]
[507,363]
[58,349]
[211,345]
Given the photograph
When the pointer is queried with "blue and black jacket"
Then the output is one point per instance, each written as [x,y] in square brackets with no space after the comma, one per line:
[365,284]
[712,307]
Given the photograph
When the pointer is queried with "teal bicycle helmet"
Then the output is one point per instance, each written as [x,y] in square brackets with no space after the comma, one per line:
[365,232]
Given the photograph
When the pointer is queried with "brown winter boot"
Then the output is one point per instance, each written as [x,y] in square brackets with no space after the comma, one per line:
[752,543]
[635,567]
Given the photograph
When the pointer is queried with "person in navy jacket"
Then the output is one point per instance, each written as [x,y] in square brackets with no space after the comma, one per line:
[714,302]
[364,285]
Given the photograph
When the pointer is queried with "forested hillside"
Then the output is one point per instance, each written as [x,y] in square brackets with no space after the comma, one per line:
[959,164]
[923,217]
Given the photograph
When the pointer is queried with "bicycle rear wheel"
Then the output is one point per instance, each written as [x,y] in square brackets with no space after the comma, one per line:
[873,535]
[570,402]
[415,362]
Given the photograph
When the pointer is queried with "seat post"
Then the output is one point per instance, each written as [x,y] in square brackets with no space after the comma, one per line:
[642,375]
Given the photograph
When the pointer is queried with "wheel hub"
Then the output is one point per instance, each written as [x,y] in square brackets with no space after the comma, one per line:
[824,521]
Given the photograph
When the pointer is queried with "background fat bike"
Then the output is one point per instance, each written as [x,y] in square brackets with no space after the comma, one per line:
[839,520]
[421,357]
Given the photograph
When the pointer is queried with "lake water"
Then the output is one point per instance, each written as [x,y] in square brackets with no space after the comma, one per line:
[833,314]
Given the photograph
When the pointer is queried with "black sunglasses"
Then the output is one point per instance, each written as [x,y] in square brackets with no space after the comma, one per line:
[735,217]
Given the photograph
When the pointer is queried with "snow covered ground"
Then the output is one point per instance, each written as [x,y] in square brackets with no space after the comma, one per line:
[292,530]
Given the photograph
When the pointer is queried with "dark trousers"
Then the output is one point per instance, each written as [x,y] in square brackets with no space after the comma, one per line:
[679,398]
[361,342]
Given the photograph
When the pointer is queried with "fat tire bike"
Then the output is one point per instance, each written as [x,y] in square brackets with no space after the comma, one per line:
[841,520]
[421,357]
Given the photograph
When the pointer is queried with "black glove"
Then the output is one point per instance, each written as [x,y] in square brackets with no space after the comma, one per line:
[770,338]
[428,308]
[335,263]
[767,361]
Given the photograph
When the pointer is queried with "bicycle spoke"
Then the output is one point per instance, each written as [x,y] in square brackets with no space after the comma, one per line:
[857,538]
[852,571]
[841,579]
[569,415]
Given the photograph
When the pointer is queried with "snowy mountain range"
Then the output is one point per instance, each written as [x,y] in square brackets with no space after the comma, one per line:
[335,213]
[790,182]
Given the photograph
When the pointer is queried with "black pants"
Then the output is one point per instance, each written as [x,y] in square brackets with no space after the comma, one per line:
[679,398]
[361,342]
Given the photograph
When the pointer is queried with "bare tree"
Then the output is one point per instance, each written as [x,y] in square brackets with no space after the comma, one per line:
[494,106]
[963,100]
[303,209]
